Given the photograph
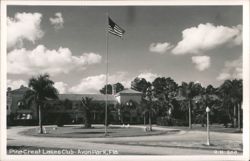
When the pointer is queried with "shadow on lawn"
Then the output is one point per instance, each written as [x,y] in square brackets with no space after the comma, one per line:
[99,127]
[89,132]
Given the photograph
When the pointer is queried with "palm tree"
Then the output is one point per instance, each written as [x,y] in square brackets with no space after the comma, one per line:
[42,89]
[87,103]
[187,92]
[126,111]
[231,92]
[148,105]
[121,108]
[148,110]
[206,97]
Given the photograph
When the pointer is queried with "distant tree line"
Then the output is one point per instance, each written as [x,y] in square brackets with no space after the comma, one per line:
[166,103]
[187,102]
[163,102]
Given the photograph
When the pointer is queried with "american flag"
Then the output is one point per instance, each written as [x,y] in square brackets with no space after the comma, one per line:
[114,29]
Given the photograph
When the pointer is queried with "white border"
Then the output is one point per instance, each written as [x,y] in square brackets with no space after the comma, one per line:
[246,71]
[246,81]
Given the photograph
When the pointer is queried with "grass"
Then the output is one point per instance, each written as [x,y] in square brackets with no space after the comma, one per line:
[192,142]
[219,145]
[96,132]
[213,128]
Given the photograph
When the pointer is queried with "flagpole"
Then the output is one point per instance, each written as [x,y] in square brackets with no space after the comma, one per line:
[107,72]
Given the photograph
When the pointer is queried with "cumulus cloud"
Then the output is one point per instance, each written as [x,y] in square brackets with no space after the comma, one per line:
[43,60]
[121,77]
[232,70]
[57,21]
[24,26]
[160,48]
[61,87]
[201,62]
[15,84]
[93,84]
[196,40]
[148,76]
[224,76]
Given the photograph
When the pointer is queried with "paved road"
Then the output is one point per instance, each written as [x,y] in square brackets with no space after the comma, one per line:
[15,139]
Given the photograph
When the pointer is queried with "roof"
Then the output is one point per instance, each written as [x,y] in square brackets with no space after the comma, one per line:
[129,91]
[78,97]
[21,90]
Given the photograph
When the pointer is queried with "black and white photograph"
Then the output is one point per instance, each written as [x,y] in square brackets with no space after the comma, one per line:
[110,79]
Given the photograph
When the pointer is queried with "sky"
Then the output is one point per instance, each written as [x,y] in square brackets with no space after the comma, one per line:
[187,43]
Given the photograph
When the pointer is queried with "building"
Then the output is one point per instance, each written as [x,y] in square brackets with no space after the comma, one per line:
[16,108]
[69,107]
[127,95]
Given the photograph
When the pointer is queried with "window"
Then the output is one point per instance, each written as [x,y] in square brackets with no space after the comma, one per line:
[20,105]
[24,116]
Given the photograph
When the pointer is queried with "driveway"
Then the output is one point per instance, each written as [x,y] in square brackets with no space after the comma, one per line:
[176,144]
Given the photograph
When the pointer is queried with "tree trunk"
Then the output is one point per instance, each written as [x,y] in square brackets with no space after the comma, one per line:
[190,115]
[239,118]
[202,122]
[40,119]
[229,114]
[235,117]
[130,117]
[87,117]
[149,120]
[122,118]
[144,117]
[76,117]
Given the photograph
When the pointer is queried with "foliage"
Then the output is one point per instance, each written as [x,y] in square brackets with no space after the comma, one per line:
[109,89]
[42,89]
[126,111]
[163,101]
[67,104]
[187,92]
[87,104]
[141,85]
[231,94]
[168,121]
[165,91]
[62,119]
[149,104]
[118,87]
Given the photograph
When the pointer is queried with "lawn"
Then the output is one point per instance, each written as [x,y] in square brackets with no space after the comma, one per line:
[230,146]
[214,128]
[95,132]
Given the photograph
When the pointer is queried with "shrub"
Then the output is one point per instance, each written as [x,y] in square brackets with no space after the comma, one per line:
[167,121]
[63,119]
